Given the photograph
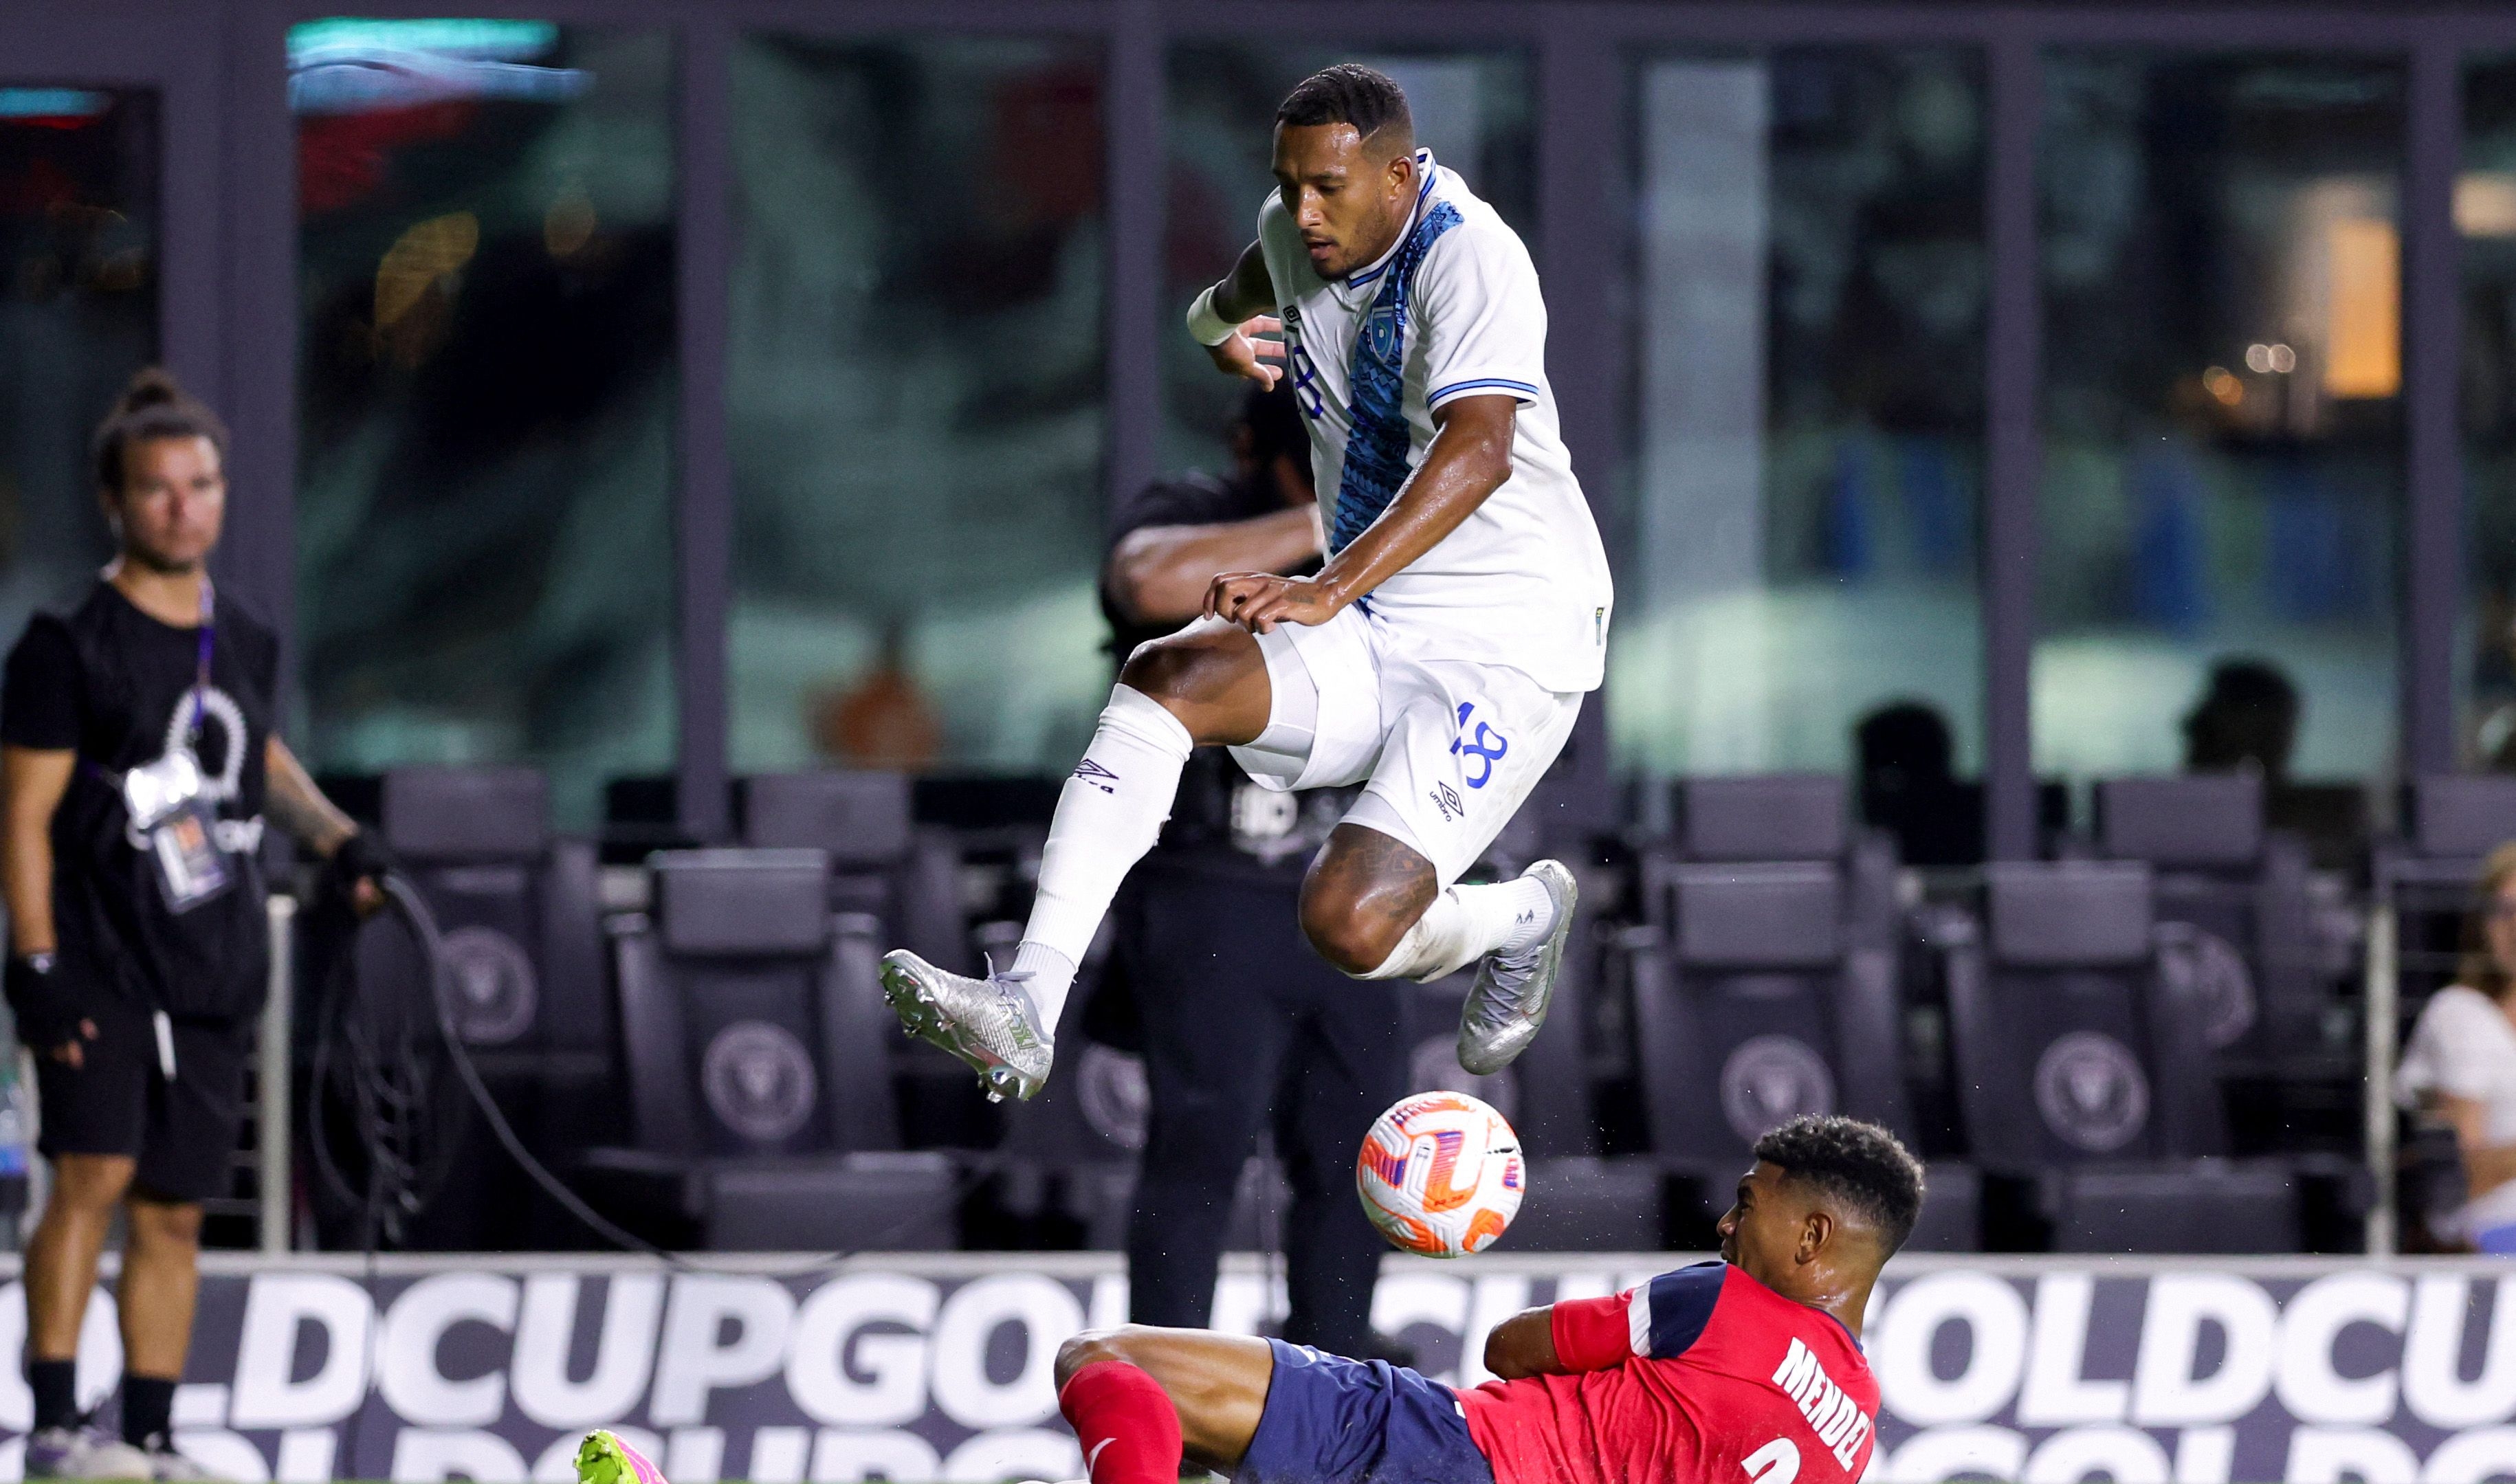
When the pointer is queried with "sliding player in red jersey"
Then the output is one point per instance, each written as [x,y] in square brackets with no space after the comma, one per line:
[1745,1370]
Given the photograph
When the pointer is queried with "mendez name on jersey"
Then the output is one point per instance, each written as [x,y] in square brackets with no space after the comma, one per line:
[1704,1376]
[1452,309]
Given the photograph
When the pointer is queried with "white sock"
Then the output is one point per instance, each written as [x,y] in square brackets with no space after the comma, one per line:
[1047,975]
[1530,908]
[1107,818]
[1464,923]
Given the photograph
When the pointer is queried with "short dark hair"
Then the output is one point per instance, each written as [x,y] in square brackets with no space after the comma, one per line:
[1349,93]
[152,406]
[1860,1164]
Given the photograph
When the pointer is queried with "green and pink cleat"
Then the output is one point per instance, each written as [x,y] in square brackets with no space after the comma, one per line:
[605,1460]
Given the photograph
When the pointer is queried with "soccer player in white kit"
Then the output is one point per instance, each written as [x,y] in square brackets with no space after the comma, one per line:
[1438,657]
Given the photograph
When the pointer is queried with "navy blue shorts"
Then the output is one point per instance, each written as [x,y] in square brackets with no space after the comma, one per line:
[1334,1421]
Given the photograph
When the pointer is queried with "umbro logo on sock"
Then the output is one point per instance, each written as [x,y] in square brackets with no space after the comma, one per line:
[1093,772]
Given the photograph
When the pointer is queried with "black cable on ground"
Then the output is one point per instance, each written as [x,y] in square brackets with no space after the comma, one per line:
[378,1091]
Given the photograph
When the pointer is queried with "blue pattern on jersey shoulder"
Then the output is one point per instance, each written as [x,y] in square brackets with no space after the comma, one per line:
[1375,449]
[1681,1305]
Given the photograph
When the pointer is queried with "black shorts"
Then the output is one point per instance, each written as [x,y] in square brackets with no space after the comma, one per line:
[119,1101]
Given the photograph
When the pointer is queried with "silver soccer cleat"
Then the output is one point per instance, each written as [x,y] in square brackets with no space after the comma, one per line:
[1509,1000]
[991,1024]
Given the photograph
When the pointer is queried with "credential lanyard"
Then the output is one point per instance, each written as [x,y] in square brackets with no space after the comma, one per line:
[201,667]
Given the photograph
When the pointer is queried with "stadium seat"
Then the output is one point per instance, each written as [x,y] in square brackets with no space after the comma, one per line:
[1951,1220]
[2077,1070]
[880,860]
[2209,1206]
[756,1046]
[517,905]
[1748,1008]
[2066,1047]
[2239,933]
[517,909]
[2241,891]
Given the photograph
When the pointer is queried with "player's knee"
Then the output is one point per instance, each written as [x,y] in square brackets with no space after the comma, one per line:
[1354,942]
[1090,1348]
[1180,668]
[165,1226]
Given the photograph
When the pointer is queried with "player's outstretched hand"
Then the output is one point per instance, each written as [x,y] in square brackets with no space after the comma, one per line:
[1247,355]
[1260,600]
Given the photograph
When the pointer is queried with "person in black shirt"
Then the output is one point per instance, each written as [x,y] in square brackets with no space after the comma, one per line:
[137,761]
[1235,1015]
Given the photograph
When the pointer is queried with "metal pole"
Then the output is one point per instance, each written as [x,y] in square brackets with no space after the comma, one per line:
[1136,320]
[2432,363]
[704,502]
[274,1185]
[2383,992]
[2014,375]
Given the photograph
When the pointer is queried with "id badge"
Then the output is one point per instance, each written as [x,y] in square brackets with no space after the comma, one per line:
[190,866]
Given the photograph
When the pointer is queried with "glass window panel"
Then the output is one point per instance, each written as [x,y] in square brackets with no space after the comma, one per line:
[78,314]
[917,403]
[2223,448]
[2485,215]
[1471,110]
[487,397]
[1796,531]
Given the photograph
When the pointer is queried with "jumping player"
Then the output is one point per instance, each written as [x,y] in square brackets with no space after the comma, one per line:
[1745,1370]
[1439,656]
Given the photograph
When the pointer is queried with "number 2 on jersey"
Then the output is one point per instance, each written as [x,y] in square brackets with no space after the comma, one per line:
[1776,1462]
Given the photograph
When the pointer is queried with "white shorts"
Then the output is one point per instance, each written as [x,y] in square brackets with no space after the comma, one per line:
[1450,749]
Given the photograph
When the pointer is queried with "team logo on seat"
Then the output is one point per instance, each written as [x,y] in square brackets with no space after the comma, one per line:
[1116,1099]
[2092,1092]
[1771,1079]
[759,1081]
[491,982]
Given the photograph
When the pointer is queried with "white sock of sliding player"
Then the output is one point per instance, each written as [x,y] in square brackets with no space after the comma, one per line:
[1464,923]
[1107,818]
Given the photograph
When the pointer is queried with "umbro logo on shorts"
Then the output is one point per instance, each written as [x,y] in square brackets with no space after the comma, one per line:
[1093,773]
[1447,799]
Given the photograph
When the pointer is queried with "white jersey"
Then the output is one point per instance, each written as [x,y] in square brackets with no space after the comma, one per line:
[1451,309]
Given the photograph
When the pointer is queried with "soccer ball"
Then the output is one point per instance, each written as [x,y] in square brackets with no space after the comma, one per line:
[1441,1175]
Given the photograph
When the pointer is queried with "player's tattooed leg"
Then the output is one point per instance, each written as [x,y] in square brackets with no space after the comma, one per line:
[1360,896]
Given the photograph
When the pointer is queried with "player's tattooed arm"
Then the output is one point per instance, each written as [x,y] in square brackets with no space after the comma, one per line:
[1157,574]
[1524,1345]
[1244,299]
[299,806]
[1468,460]
[1246,290]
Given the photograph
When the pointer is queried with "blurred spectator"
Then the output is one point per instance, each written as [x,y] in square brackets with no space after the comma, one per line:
[884,720]
[1909,786]
[2460,1068]
[1241,1026]
[2246,720]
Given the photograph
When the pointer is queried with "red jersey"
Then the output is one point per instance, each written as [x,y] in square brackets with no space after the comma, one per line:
[1704,1376]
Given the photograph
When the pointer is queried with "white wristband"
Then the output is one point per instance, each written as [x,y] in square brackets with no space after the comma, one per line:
[1206,327]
